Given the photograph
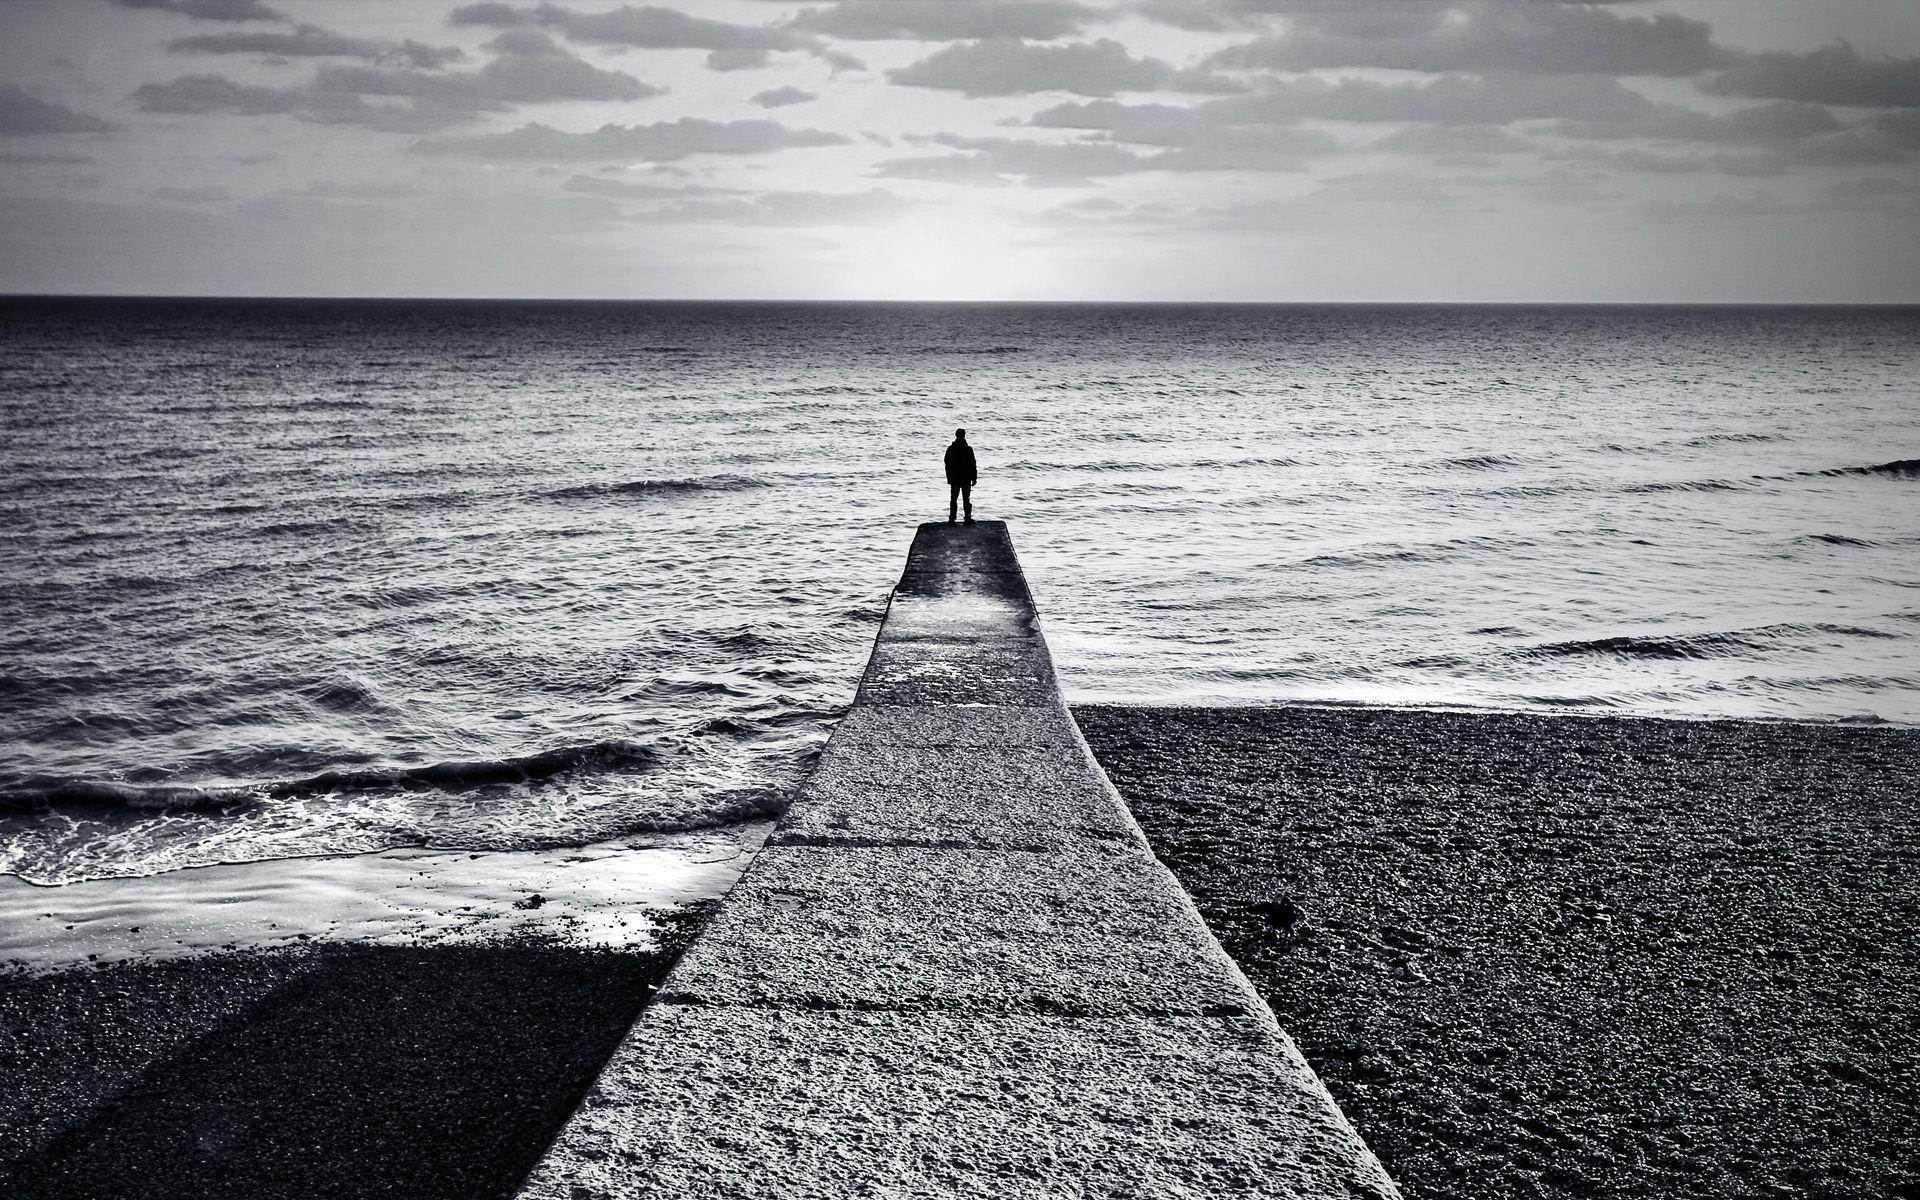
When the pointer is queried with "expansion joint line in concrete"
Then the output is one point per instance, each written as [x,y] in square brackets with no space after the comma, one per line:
[956,968]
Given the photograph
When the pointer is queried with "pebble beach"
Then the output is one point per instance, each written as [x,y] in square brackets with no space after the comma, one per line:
[335,1069]
[1538,956]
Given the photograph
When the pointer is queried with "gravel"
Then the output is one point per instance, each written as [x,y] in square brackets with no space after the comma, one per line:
[1539,956]
[336,1070]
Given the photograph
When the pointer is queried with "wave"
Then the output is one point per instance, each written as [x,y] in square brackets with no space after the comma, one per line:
[1696,645]
[611,755]
[299,528]
[660,487]
[342,696]
[1899,468]
[1479,462]
[1088,385]
[1528,491]
[1214,463]
[1030,465]
[1714,439]
[1690,485]
[1432,552]
[952,350]
[825,389]
[168,453]
[1837,539]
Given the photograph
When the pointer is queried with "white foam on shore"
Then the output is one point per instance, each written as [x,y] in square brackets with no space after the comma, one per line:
[606,894]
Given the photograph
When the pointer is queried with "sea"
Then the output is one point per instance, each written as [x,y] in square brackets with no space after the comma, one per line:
[293,578]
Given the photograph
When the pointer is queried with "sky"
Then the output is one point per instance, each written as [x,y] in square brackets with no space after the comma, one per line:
[1205,150]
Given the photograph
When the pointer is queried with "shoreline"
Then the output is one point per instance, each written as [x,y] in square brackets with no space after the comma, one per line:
[1531,957]
[1547,712]
[1538,957]
[603,894]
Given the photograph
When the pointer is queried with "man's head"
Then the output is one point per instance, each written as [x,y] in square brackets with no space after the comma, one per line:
[959,435]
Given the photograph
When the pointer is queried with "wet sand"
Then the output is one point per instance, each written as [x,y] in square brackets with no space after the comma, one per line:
[1560,956]
[338,1070]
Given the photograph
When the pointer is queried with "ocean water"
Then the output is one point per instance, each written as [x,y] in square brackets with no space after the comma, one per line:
[312,577]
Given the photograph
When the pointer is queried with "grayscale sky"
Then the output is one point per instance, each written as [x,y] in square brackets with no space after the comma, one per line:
[1742,150]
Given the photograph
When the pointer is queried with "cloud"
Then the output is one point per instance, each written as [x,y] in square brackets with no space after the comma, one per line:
[192,195]
[1777,124]
[197,95]
[1722,207]
[210,10]
[1273,148]
[1878,191]
[1479,35]
[992,161]
[1008,67]
[1384,187]
[621,189]
[1770,139]
[304,41]
[311,41]
[1450,100]
[1889,137]
[787,210]
[1451,141]
[731,47]
[663,141]
[365,190]
[23,113]
[528,68]
[780,97]
[947,20]
[1835,74]
[1460,115]
[1745,163]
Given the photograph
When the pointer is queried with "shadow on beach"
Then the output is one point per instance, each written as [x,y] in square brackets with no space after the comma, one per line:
[335,1070]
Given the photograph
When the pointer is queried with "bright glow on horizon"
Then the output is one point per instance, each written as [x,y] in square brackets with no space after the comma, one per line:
[963,252]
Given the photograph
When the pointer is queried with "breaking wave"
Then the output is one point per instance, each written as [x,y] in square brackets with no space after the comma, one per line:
[1690,485]
[1899,468]
[611,755]
[660,487]
[1479,462]
[1697,645]
[954,350]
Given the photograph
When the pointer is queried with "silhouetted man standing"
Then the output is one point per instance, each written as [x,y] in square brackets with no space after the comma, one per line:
[961,475]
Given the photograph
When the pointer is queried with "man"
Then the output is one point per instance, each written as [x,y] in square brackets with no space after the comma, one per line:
[961,476]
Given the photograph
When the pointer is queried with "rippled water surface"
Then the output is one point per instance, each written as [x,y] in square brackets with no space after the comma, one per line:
[305,577]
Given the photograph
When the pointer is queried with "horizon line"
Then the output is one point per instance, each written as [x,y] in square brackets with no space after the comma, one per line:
[477,299]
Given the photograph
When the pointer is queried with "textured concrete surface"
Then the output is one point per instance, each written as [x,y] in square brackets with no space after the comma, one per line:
[957,970]
[1100,932]
[749,1103]
[1018,798]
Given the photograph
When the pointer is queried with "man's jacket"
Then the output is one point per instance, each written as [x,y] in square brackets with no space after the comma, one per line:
[961,471]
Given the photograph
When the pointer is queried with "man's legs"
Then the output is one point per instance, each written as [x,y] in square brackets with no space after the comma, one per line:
[953,502]
[966,493]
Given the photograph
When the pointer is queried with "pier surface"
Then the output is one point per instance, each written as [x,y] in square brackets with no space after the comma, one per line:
[956,969]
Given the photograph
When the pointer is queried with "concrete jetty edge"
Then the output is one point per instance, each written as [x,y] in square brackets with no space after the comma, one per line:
[956,969]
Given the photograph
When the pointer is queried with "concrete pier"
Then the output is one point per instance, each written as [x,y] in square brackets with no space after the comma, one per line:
[957,970]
